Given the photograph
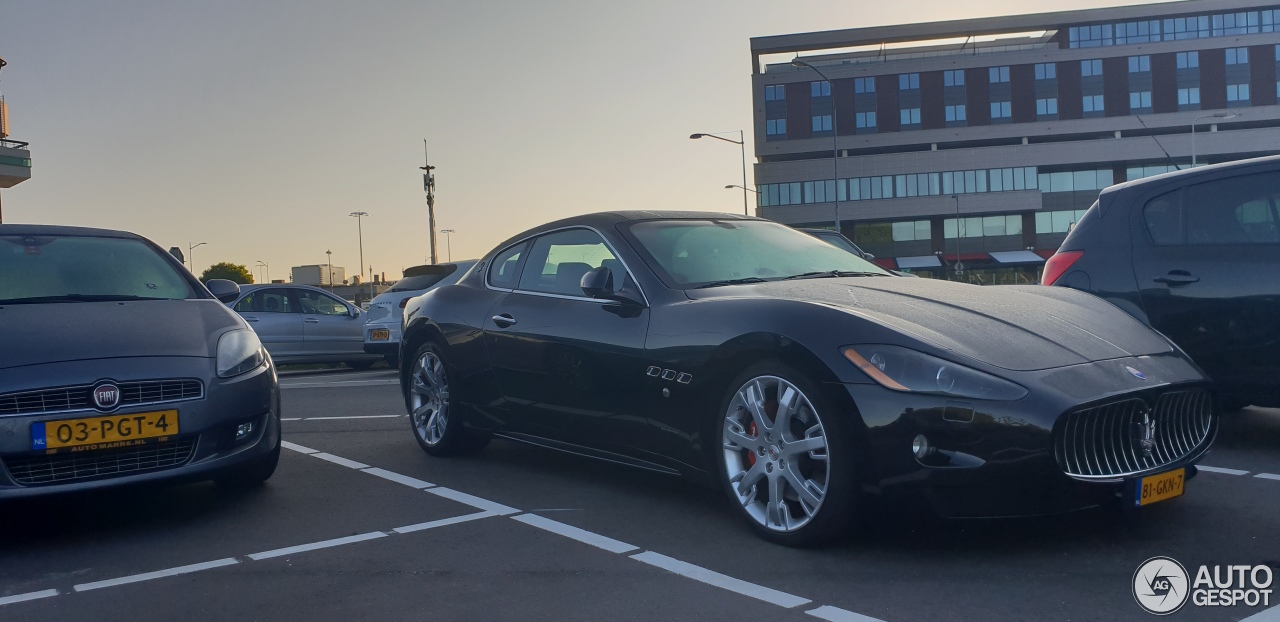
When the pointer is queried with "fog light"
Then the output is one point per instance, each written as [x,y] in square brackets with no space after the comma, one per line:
[243,430]
[920,446]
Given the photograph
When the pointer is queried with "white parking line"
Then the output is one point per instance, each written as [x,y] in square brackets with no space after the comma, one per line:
[350,464]
[298,448]
[22,598]
[147,576]
[443,522]
[1267,476]
[836,614]
[473,501]
[352,417]
[1266,615]
[571,532]
[302,548]
[398,478]
[1209,469]
[339,384]
[711,577]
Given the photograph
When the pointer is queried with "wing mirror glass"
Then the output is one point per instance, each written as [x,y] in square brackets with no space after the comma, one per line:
[599,283]
[224,290]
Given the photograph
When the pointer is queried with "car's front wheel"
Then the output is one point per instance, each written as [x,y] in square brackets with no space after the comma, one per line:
[786,457]
[436,421]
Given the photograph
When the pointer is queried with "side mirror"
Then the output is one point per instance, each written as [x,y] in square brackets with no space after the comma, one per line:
[177,254]
[868,256]
[353,311]
[598,283]
[224,290]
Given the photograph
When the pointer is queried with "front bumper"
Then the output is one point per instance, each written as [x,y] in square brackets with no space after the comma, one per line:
[994,459]
[206,437]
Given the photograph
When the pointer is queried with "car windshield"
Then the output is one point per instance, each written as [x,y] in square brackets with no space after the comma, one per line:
[698,253]
[35,269]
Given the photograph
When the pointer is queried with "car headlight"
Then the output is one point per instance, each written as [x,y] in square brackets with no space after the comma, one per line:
[904,369]
[239,351]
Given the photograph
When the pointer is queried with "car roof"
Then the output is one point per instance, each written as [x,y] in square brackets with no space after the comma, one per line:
[24,229]
[1191,174]
[605,220]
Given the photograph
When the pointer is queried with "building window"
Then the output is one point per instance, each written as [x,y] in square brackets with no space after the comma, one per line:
[822,123]
[1091,67]
[775,127]
[1237,56]
[910,116]
[998,74]
[1048,106]
[983,226]
[1238,93]
[1189,96]
[955,113]
[1057,222]
[908,81]
[864,85]
[1139,100]
[1046,71]
[953,78]
[1093,104]
[775,93]
[1073,181]
[1001,110]
[1138,64]
[820,89]
[1188,60]
[865,120]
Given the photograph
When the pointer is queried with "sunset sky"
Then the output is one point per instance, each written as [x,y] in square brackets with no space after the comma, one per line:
[258,126]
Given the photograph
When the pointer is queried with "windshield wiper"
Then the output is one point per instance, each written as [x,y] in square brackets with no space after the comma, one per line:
[825,274]
[76,298]
[742,281]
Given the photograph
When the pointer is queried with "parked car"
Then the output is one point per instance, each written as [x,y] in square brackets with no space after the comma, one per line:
[837,239]
[304,324]
[795,375]
[1196,255]
[386,310]
[118,367]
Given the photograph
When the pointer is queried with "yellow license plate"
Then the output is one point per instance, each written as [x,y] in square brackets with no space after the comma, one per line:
[106,432]
[1159,487]
[380,334]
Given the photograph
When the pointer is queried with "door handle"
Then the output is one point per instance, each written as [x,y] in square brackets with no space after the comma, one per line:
[1176,278]
[250,319]
[311,320]
[503,320]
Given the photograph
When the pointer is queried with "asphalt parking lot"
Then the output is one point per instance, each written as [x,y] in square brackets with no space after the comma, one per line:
[359,523]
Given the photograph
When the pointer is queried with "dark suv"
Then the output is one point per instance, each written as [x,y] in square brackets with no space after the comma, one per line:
[1195,254]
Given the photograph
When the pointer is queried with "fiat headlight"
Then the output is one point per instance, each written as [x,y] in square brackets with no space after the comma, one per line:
[239,351]
[903,369]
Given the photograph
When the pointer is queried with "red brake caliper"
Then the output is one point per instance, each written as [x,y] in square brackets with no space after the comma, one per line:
[752,432]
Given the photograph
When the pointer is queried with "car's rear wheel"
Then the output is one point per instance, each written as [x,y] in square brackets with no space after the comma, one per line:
[786,458]
[436,422]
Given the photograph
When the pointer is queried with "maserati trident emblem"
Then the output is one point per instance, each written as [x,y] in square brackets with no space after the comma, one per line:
[1145,437]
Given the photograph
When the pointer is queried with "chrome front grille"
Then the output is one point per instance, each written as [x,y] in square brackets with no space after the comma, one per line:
[69,467]
[1108,440]
[65,399]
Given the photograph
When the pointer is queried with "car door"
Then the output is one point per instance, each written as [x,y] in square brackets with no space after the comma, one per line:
[568,365]
[329,327]
[1207,262]
[274,315]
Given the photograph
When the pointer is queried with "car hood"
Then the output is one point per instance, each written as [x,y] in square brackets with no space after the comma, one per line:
[52,333]
[1019,328]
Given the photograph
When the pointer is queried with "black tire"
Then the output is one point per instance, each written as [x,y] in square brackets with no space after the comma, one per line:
[360,365]
[251,474]
[834,517]
[424,403]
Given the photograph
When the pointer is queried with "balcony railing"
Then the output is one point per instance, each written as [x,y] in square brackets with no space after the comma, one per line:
[12,144]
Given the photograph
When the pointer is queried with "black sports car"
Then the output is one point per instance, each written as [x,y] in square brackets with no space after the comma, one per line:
[798,376]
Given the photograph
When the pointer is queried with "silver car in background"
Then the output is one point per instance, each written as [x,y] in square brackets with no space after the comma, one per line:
[304,324]
[382,328]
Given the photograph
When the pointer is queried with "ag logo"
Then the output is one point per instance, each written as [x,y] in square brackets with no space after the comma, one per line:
[1160,585]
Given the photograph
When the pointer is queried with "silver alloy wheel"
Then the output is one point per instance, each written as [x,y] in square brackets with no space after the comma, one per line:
[429,398]
[775,453]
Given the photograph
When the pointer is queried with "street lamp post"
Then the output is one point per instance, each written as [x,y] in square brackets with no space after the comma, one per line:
[360,228]
[429,184]
[741,142]
[266,271]
[448,242]
[329,261]
[744,188]
[191,258]
[1216,115]
[835,149]
[959,264]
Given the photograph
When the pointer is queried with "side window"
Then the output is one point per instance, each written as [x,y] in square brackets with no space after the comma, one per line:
[275,301]
[1163,216]
[558,261]
[313,302]
[1238,210]
[246,304]
[505,268]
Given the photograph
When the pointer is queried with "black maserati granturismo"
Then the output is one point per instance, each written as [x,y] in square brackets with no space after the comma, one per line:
[799,377]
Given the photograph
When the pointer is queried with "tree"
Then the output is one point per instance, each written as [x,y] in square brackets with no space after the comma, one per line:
[229,271]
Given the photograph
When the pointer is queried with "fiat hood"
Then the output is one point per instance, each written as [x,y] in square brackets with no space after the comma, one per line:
[34,334]
[1015,327]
